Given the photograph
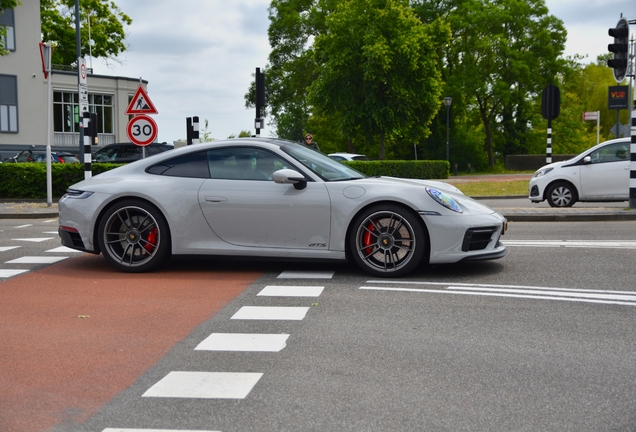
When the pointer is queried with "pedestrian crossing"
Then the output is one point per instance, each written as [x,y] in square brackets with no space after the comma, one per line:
[238,385]
[16,243]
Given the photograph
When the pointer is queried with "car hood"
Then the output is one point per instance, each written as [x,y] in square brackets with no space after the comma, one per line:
[468,204]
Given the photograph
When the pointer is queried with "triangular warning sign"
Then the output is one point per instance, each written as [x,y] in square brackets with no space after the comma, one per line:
[141,103]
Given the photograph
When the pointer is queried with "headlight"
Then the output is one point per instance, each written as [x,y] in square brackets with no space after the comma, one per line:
[542,172]
[78,194]
[444,199]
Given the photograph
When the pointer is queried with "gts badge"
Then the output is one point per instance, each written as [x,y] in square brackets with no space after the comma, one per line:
[317,245]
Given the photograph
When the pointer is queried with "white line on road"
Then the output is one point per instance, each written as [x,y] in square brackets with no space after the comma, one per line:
[627,298]
[605,244]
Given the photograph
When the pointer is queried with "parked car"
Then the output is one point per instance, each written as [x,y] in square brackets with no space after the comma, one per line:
[347,156]
[128,152]
[598,174]
[217,199]
[40,156]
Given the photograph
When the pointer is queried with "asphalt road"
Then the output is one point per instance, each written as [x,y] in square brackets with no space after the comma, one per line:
[542,339]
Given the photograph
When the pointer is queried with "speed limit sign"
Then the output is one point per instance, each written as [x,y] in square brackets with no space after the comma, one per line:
[141,130]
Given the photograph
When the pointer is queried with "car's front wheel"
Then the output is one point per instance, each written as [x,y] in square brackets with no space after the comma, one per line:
[388,240]
[134,236]
[561,194]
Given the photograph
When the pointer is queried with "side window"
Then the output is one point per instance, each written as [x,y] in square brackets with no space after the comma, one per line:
[243,163]
[193,165]
[130,152]
[611,153]
[8,103]
[106,155]
[152,150]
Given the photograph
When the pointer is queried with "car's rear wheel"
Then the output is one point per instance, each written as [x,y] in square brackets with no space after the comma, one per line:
[561,194]
[134,236]
[388,240]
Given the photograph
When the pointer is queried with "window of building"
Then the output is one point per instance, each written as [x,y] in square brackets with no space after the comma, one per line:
[7,40]
[8,103]
[66,111]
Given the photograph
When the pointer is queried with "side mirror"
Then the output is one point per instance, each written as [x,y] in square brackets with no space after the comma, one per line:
[587,159]
[289,176]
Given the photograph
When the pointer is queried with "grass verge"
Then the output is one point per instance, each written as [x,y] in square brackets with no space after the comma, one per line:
[499,188]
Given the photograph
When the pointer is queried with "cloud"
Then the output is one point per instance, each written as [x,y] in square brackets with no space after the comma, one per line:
[198,57]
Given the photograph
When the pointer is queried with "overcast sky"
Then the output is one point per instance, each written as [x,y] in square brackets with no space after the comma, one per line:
[199,55]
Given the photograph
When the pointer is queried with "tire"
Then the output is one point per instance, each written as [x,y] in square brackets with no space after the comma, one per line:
[561,194]
[134,236]
[388,240]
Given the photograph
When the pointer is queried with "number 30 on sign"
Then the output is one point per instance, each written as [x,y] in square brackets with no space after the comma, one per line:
[141,130]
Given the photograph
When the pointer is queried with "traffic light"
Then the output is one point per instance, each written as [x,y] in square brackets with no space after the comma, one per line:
[620,47]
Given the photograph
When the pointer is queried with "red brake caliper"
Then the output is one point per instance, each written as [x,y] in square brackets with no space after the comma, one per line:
[151,239]
[368,238]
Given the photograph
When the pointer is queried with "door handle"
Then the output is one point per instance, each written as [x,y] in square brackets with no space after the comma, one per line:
[215,199]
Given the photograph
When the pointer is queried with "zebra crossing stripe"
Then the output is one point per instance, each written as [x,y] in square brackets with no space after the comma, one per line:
[11,273]
[291,274]
[36,260]
[153,430]
[271,313]
[204,385]
[243,342]
[291,291]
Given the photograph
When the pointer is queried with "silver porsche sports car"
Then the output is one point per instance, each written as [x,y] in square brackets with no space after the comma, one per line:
[266,197]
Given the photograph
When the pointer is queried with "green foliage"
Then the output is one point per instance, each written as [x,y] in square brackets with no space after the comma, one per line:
[107,23]
[378,71]
[403,169]
[28,180]
[503,53]
[343,70]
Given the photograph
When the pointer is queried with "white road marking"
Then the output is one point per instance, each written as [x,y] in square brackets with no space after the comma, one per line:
[51,220]
[627,298]
[154,430]
[204,385]
[35,240]
[271,313]
[243,342]
[36,260]
[49,232]
[7,248]
[11,273]
[290,274]
[64,249]
[605,244]
[24,226]
[291,291]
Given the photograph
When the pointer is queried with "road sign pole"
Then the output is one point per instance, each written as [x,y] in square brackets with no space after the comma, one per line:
[88,167]
[632,164]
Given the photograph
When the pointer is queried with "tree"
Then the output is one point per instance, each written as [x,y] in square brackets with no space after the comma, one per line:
[107,23]
[378,70]
[503,52]
[291,68]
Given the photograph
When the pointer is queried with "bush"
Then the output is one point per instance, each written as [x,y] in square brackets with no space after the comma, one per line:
[420,169]
[28,180]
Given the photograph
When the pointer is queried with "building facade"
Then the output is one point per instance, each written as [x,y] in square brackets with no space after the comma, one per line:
[23,93]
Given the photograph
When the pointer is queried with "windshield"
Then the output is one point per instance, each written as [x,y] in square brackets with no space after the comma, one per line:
[327,168]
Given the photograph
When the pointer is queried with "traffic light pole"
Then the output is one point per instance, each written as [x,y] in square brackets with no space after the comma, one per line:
[622,66]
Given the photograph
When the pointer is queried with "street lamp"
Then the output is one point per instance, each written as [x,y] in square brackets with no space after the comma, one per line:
[448,101]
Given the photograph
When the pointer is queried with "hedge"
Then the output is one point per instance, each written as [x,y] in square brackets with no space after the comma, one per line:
[423,169]
[28,180]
